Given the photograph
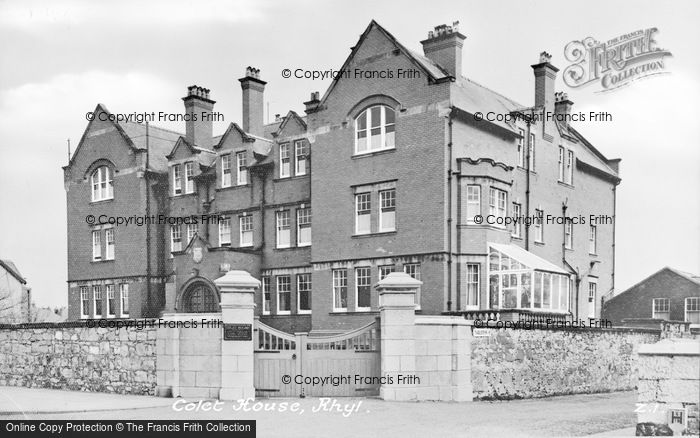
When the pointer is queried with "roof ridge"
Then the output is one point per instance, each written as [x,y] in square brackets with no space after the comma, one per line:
[154,127]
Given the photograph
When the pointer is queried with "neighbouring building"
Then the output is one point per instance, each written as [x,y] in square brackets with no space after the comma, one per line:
[419,169]
[15,295]
[668,295]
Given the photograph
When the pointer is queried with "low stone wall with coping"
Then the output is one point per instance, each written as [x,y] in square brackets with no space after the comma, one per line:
[71,355]
[516,363]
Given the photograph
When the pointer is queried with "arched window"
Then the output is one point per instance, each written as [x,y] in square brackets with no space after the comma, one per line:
[200,298]
[101,181]
[374,129]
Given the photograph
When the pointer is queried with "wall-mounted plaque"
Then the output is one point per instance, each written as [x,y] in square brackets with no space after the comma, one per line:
[238,332]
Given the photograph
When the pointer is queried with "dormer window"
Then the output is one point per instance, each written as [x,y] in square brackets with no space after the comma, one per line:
[374,129]
[101,181]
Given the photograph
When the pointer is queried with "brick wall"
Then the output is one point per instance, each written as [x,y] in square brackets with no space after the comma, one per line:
[512,364]
[72,356]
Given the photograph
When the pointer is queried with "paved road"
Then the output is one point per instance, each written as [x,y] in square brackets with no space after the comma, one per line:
[606,415]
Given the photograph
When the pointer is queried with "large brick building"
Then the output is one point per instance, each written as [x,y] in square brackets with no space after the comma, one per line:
[406,165]
[668,294]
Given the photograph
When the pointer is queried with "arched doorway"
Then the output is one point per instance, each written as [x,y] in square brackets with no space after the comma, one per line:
[199,297]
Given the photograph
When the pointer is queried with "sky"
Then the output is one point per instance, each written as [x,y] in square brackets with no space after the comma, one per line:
[59,58]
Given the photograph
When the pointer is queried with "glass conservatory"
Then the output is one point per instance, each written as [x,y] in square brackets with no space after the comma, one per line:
[519,279]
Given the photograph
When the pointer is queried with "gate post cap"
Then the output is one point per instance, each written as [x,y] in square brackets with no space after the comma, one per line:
[237,280]
[398,280]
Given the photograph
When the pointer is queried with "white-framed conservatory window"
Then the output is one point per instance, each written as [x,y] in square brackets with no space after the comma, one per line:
[102,184]
[375,129]
[514,285]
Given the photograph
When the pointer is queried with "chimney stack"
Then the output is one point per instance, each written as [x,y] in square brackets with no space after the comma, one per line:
[545,75]
[562,108]
[312,104]
[198,128]
[253,105]
[444,47]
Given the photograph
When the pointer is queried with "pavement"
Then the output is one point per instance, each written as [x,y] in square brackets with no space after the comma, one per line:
[593,415]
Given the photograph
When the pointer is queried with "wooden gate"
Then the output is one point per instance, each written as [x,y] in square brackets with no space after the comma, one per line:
[351,361]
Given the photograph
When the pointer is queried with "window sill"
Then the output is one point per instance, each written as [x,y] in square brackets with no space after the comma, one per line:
[372,153]
[519,238]
[525,170]
[237,186]
[378,234]
[356,312]
[304,312]
[183,195]
[303,245]
[101,261]
[284,313]
[537,242]
[291,177]
[593,254]
[101,201]
[562,183]
[284,248]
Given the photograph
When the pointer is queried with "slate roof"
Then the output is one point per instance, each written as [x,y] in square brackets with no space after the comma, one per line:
[12,269]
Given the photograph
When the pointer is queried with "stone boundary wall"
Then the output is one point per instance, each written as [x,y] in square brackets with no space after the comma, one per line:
[512,364]
[70,355]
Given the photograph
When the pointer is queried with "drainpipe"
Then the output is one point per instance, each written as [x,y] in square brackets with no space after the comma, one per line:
[449,213]
[148,228]
[527,184]
[614,192]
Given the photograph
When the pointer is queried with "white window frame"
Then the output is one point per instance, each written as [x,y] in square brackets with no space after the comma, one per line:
[242,168]
[413,269]
[364,200]
[226,170]
[568,234]
[175,238]
[498,204]
[667,306]
[189,177]
[521,148]
[592,296]
[538,225]
[245,227]
[279,292]
[518,225]
[96,298]
[265,287]
[111,301]
[385,270]
[300,162]
[473,202]
[562,153]
[102,184]
[469,281]
[687,307]
[303,222]
[593,239]
[387,207]
[283,224]
[177,180]
[367,282]
[340,281]
[124,299]
[300,281]
[285,161]
[225,231]
[96,245]
[531,146]
[84,299]
[570,167]
[109,244]
[191,231]
[386,130]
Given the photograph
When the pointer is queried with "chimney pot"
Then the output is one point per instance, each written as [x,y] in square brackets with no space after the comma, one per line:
[444,47]
[253,101]
[198,128]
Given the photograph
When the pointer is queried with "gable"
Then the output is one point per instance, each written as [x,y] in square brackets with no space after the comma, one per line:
[292,126]
[181,151]
[102,140]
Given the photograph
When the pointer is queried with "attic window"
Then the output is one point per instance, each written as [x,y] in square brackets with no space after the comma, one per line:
[375,129]
[101,182]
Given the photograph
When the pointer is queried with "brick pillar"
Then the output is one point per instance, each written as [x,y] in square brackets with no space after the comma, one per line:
[237,289]
[397,306]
